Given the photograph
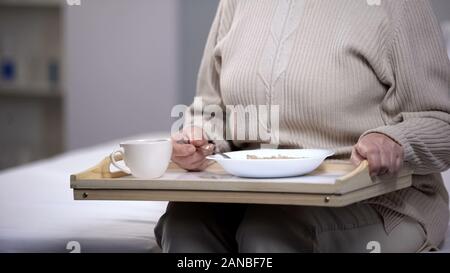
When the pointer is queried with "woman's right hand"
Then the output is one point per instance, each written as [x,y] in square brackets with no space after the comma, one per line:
[190,149]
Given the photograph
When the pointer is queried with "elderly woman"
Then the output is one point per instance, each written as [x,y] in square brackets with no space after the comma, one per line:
[368,79]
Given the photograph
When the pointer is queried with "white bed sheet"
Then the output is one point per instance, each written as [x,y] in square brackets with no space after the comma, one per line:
[38,213]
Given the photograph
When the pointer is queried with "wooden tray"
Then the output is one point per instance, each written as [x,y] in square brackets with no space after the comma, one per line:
[333,184]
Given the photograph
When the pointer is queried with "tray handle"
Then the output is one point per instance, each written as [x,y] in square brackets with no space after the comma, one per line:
[101,170]
[361,169]
[359,178]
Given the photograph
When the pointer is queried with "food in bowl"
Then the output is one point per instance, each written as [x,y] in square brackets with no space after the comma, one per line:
[273,157]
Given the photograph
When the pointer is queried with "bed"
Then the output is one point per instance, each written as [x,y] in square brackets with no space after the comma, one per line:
[38,213]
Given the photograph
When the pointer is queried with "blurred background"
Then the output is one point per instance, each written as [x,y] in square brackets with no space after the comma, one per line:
[76,76]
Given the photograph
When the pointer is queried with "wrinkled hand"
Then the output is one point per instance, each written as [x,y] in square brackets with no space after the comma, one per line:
[384,155]
[190,149]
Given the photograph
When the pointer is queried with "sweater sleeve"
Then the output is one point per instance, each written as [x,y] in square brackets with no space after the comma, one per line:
[416,108]
[207,110]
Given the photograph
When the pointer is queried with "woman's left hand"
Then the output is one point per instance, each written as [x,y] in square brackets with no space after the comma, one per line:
[385,156]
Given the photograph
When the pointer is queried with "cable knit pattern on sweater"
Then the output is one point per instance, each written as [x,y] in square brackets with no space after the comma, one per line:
[339,70]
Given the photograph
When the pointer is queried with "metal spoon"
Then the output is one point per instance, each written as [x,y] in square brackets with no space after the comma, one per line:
[206,149]
[223,155]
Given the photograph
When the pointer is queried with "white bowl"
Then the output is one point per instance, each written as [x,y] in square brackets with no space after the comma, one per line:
[301,161]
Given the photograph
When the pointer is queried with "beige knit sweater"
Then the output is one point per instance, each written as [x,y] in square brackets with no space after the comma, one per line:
[340,69]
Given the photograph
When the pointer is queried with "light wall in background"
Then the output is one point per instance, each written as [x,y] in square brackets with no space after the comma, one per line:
[121,68]
[195,19]
[442,9]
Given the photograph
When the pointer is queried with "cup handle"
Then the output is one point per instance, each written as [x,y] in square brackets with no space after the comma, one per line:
[112,156]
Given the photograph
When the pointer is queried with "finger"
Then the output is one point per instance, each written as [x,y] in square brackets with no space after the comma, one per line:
[199,142]
[191,160]
[362,149]
[202,166]
[194,134]
[385,161]
[206,164]
[182,150]
[372,154]
[180,138]
[207,149]
[187,166]
[183,163]
[393,169]
[374,163]
[356,158]
[191,165]
[396,159]
[399,163]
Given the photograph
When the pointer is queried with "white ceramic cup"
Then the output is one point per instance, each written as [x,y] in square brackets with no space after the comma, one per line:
[145,158]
